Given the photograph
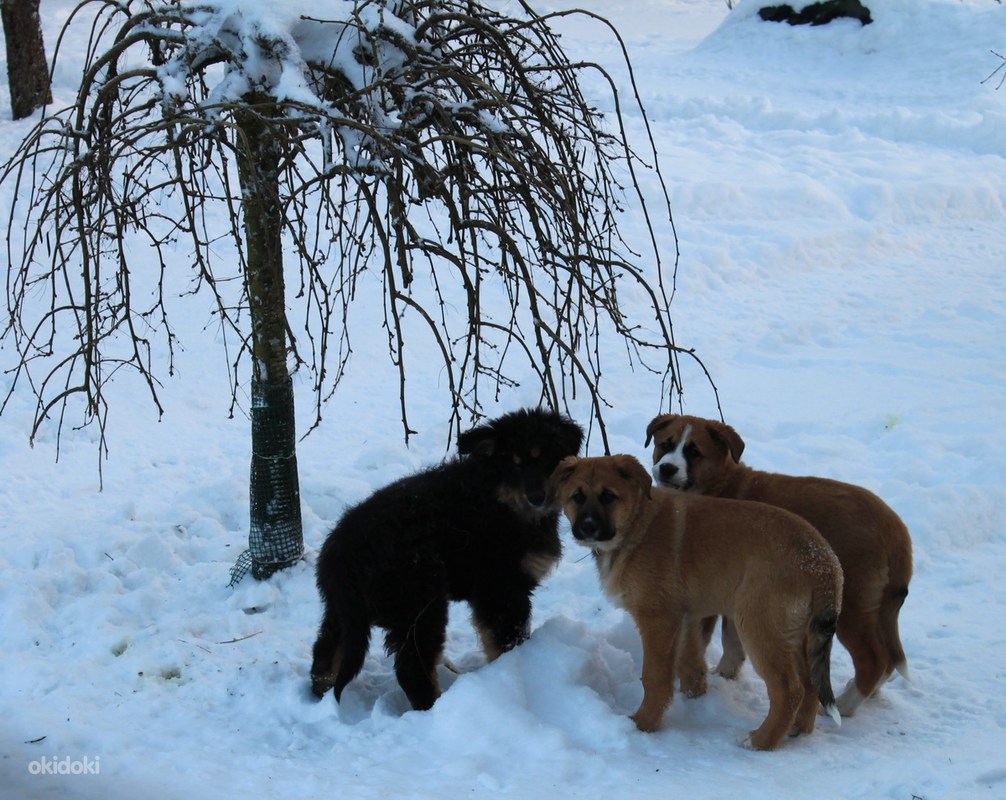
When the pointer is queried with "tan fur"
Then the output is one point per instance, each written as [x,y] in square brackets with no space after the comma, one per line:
[538,565]
[870,540]
[672,560]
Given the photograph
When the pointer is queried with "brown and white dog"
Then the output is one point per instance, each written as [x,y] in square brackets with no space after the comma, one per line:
[672,560]
[701,456]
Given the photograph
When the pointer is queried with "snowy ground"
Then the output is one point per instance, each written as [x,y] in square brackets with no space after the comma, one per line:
[839,194]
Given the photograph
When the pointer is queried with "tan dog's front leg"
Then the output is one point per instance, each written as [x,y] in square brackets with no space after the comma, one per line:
[659,637]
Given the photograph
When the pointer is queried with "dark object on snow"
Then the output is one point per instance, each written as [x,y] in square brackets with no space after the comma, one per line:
[481,528]
[817,13]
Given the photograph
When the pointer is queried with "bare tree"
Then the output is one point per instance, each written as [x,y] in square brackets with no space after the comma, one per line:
[439,142]
[27,71]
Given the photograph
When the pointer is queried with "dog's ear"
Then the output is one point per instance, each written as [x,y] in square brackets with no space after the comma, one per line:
[656,424]
[568,435]
[630,468]
[478,441]
[562,472]
[728,438]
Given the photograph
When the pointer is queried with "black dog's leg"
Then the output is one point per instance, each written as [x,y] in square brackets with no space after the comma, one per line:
[327,655]
[417,650]
[502,619]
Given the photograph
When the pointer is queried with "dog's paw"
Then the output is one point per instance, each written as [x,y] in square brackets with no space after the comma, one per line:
[424,700]
[849,700]
[320,684]
[647,723]
[728,668]
[753,741]
[694,687]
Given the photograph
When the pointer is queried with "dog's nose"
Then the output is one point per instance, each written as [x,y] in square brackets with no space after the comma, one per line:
[586,528]
[668,471]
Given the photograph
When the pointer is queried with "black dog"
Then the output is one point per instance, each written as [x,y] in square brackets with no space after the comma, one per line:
[481,528]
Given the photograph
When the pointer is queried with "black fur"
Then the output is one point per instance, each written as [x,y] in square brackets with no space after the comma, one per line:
[822,634]
[817,13]
[480,528]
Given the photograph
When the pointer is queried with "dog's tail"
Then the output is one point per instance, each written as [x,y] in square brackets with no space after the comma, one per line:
[354,643]
[344,636]
[899,573]
[822,634]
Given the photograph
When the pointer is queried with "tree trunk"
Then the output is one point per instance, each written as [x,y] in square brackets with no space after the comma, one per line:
[276,537]
[27,71]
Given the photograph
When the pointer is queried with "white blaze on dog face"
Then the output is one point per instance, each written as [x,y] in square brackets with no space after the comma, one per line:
[671,469]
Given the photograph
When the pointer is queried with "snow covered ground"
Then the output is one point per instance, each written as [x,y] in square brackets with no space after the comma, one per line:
[839,196]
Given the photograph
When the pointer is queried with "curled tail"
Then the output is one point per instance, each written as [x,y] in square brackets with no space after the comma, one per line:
[899,574]
[822,634]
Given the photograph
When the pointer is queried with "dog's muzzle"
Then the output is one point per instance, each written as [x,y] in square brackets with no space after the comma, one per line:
[534,485]
[670,475]
[590,527]
[536,497]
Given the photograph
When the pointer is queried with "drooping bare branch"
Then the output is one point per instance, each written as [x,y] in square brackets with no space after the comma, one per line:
[438,143]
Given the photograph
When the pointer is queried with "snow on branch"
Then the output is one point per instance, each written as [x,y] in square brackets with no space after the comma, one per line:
[432,138]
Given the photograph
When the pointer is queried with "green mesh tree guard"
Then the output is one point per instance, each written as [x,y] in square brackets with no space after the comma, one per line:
[275,536]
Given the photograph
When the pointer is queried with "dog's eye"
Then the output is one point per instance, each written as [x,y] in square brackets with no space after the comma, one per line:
[578,497]
[667,446]
[535,452]
[607,497]
[691,450]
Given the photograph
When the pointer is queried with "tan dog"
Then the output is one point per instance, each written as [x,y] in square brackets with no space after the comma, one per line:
[702,456]
[671,560]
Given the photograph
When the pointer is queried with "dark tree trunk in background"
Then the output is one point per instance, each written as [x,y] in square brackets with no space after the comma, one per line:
[27,71]
[276,537]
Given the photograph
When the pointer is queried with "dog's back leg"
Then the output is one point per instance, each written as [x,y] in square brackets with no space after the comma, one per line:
[870,635]
[733,651]
[785,695]
[417,645]
[806,715]
[860,634]
[775,643]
